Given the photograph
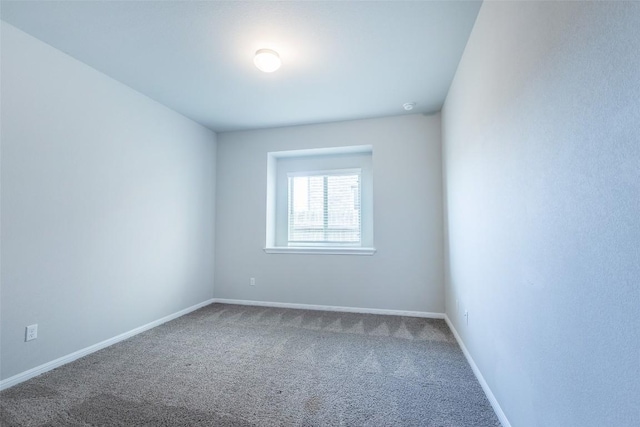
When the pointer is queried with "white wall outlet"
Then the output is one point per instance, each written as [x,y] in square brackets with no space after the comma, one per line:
[252,281]
[466,316]
[31,332]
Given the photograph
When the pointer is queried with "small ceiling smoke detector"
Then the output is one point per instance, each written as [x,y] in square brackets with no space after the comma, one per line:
[409,106]
[267,60]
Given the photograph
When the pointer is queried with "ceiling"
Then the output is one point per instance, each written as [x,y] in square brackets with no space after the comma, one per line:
[342,60]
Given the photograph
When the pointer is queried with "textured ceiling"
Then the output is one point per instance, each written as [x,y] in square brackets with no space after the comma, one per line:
[341,60]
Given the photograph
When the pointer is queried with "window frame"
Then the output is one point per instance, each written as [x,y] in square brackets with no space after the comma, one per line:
[281,163]
[325,173]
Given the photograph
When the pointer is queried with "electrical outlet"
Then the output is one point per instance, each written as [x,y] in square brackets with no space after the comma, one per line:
[466,316]
[31,332]
[252,281]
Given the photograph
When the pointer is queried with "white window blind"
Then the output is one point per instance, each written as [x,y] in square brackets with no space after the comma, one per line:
[324,208]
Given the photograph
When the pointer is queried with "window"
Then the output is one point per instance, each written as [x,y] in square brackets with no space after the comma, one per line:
[324,208]
[320,201]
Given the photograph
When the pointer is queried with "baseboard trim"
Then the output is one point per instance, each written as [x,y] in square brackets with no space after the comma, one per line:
[33,372]
[424,314]
[485,387]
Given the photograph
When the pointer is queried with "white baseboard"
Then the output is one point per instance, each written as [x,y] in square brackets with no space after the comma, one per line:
[332,308]
[487,391]
[23,376]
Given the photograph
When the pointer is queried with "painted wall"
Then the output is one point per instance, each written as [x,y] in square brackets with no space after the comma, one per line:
[107,206]
[406,271]
[541,133]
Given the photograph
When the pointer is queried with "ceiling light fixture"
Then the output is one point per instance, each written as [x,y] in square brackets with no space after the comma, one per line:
[267,60]
[408,106]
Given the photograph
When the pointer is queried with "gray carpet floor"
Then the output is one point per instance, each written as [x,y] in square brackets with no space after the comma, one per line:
[229,365]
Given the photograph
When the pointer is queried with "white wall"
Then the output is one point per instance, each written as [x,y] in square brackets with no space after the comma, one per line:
[107,206]
[541,135]
[406,271]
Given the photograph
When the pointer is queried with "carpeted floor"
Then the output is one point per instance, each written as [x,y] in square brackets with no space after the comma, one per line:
[228,365]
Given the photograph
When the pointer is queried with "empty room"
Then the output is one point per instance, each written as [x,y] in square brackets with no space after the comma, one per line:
[320,213]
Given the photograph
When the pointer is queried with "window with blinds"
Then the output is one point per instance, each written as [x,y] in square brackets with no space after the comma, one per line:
[324,208]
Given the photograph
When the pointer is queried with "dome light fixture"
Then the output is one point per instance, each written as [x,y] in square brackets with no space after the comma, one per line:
[408,106]
[267,60]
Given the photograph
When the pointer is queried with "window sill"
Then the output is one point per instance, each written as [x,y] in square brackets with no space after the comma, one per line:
[320,250]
